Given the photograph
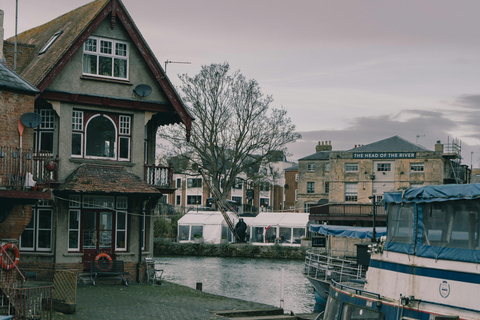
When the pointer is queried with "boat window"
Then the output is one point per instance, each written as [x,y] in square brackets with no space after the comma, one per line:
[453,225]
[351,312]
[401,223]
[332,309]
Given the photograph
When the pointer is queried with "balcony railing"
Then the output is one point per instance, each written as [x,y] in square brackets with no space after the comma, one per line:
[25,169]
[347,209]
[159,177]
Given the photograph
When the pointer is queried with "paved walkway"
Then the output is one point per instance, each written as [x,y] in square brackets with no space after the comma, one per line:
[145,301]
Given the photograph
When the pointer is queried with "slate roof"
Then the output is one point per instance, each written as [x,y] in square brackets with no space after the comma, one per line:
[88,178]
[392,144]
[321,155]
[73,24]
[292,168]
[13,82]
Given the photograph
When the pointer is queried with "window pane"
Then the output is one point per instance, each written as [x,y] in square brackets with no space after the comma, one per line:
[105,47]
[183,232]
[74,222]
[73,239]
[46,141]
[121,221]
[44,239]
[121,240]
[26,240]
[77,144]
[91,45]
[120,68]
[124,148]
[121,49]
[44,219]
[89,64]
[105,66]
[101,137]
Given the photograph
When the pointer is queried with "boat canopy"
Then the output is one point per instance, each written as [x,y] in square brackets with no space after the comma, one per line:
[347,231]
[437,221]
[435,193]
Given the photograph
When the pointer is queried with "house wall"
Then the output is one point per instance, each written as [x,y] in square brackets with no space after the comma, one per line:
[292,184]
[70,79]
[319,176]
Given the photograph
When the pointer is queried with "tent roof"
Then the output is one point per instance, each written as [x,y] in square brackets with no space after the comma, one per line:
[282,219]
[204,218]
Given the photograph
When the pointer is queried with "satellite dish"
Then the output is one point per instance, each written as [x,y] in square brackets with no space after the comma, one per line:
[31,119]
[143,90]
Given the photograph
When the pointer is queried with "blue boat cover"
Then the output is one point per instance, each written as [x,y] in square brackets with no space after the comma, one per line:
[345,231]
[427,194]
[435,193]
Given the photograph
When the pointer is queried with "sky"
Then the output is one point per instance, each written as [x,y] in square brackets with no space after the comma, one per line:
[351,72]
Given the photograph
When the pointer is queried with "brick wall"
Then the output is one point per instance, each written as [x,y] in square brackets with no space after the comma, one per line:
[17,220]
[13,106]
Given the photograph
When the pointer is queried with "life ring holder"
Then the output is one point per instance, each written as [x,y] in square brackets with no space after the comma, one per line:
[104,256]
[5,264]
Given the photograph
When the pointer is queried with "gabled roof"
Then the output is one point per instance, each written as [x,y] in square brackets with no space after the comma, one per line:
[98,179]
[321,155]
[76,26]
[13,82]
[392,144]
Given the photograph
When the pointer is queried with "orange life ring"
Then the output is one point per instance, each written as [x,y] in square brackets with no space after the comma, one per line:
[104,256]
[5,263]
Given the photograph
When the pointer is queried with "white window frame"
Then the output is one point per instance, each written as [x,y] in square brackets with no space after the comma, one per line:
[75,201]
[97,53]
[115,147]
[311,183]
[124,132]
[417,167]
[125,230]
[384,167]
[351,192]
[311,167]
[36,230]
[77,229]
[122,203]
[78,129]
[351,167]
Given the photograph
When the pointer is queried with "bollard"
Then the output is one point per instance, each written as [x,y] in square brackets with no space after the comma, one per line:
[199,286]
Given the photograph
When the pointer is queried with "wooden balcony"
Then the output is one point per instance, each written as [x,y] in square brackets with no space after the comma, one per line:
[24,173]
[160,177]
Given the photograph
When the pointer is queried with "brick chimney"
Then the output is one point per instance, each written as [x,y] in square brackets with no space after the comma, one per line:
[323,146]
[438,147]
[2,58]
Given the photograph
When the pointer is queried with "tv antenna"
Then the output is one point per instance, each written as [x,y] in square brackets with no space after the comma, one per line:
[419,136]
[169,61]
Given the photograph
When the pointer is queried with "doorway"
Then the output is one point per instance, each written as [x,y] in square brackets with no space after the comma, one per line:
[97,235]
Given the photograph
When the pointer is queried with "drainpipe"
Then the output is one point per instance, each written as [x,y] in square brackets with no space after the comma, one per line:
[140,241]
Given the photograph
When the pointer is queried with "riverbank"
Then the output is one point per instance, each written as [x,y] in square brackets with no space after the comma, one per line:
[237,250]
[145,301]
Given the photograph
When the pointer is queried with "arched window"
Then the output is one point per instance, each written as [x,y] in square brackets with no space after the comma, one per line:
[101,137]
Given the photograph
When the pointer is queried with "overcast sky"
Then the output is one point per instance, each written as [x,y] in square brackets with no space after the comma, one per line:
[348,71]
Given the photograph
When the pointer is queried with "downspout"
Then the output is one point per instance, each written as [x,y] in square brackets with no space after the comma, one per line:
[140,240]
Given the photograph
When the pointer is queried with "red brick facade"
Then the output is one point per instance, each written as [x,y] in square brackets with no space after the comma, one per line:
[13,106]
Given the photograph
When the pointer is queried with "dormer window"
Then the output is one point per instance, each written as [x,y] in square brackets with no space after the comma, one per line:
[105,58]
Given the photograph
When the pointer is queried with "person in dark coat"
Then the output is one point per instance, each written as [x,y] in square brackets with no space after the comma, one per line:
[240,229]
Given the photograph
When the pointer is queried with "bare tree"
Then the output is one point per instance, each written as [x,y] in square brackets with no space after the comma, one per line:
[234,128]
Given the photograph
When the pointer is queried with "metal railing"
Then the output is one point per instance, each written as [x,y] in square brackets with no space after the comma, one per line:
[328,267]
[160,177]
[24,168]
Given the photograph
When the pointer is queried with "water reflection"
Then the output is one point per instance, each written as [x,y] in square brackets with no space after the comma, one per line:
[255,280]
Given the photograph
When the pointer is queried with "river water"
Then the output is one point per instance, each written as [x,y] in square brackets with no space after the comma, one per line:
[257,280]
